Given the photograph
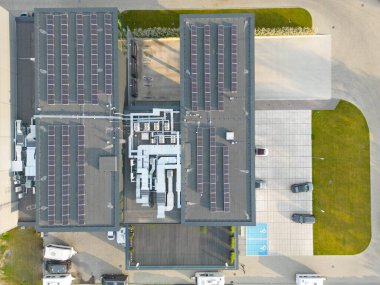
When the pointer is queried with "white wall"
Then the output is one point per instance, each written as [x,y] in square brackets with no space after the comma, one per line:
[8,218]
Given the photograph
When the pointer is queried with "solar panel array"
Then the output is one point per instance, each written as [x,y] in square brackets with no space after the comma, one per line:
[64,60]
[94,59]
[80,59]
[194,68]
[234,58]
[220,67]
[51,175]
[108,53]
[200,161]
[212,169]
[207,63]
[81,189]
[226,178]
[65,174]
[50,59]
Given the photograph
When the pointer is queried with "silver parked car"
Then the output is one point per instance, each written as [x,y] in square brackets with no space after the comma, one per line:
[302,187]
[303,218]
[260,184]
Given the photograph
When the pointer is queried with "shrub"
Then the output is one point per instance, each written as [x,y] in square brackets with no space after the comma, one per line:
[131,250]
[5,236]
[232,257]
[159,32]
[284,31]
[232,231]
[131,235]
[156,32]
[131,228]
[203,229]
[232,243]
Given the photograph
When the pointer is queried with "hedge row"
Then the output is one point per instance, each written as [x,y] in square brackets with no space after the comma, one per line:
[174,32]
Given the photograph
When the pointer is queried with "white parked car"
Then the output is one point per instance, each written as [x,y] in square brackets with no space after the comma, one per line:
[110,235]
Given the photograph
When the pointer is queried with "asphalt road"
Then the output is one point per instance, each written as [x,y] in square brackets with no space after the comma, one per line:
[354,26]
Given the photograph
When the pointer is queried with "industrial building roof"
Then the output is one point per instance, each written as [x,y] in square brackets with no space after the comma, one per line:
[76,96]
[217,98]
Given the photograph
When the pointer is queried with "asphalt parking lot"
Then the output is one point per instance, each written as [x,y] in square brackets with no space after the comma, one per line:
[287,135]
[96,255]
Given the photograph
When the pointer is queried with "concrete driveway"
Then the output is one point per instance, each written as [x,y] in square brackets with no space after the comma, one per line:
[354,26]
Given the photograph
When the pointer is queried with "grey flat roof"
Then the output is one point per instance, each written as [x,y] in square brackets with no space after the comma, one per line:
[25,68]
[293,68]
[236,206]
[101,134]
[165,246]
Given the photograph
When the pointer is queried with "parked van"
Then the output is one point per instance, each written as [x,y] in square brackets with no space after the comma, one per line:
[58,252]
[18,123]
[120,236]
[54,279]
[309,279]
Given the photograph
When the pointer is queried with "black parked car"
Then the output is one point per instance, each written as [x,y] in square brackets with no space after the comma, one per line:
[302,187]
[260,184]
[303,218]
[261,151]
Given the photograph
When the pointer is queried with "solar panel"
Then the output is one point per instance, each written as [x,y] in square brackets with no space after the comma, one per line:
[108,53]
[80,59]
[51,175]
[80,164]
[220,67]
[94,59]
[226,178]
[234,58]
[194,68]
[199,161]
[212,169]
[207,66]
[65,174]
[64,60]
[50,59]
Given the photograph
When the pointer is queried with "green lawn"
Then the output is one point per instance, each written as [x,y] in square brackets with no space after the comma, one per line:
[23,257]
[341,197]
[265,18]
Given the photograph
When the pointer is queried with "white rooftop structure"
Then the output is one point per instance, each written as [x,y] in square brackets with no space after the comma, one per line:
[30,168]
[230,136]
[293,67]
[155,152]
